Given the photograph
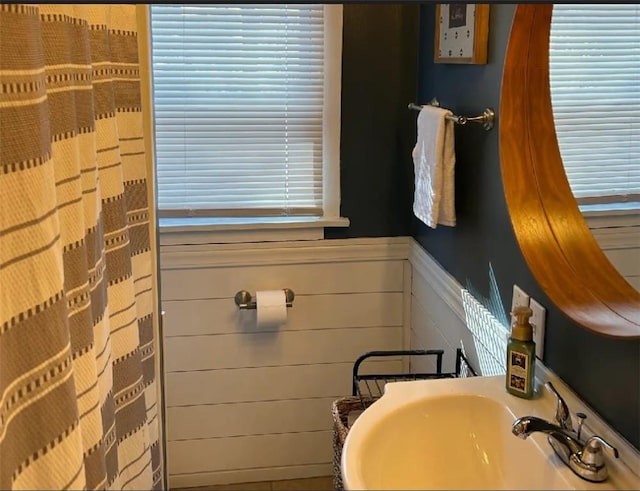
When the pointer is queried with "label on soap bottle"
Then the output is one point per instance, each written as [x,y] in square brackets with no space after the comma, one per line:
[518,371]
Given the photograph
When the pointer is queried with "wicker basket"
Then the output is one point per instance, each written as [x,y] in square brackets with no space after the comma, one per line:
[340,410]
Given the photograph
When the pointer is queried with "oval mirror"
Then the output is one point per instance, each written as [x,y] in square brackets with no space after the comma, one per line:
[553,236]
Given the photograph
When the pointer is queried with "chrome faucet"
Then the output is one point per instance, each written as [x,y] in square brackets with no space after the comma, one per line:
[584,458]
[563,416]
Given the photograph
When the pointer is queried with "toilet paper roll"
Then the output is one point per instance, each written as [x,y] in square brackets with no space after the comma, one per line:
[271,306]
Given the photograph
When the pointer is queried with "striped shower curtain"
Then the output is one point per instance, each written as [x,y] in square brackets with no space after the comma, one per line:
[78,405]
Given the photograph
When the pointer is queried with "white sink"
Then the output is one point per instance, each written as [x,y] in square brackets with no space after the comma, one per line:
[456,434]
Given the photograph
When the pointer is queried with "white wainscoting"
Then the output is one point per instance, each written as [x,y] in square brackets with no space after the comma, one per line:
[250,405]
[446,316]
[254,405]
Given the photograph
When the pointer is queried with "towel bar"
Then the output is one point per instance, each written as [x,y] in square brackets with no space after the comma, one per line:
[486,119]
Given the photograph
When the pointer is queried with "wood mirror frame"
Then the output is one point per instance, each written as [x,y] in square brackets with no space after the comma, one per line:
[557,245]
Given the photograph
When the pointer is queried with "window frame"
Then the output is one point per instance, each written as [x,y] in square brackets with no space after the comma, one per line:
[200,230]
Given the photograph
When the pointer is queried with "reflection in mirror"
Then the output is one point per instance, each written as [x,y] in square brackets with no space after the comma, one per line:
[594,75]
[594,72]
[562,254]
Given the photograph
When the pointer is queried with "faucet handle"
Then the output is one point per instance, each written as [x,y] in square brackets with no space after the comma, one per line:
[593,454]
[563,417]
[589,462]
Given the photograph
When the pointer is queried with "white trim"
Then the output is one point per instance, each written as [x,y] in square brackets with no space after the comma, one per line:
[146,98]
[622,211]
[332,106]
[177,481]
[438,277]
[188,231]
[407,279]
[320,251]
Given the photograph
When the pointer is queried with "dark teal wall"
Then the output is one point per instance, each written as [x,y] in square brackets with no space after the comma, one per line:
[379,73]
[604,372]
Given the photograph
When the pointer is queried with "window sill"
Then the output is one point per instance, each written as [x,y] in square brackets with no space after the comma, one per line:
[630,208]
[200,230]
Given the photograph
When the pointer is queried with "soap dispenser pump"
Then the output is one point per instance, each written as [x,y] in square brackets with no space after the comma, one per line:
[521,355]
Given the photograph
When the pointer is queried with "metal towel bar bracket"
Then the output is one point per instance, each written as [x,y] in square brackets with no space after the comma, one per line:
[486,119]
[243,299]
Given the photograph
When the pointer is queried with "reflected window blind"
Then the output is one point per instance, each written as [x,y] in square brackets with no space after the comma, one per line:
[595,91]
[238,103]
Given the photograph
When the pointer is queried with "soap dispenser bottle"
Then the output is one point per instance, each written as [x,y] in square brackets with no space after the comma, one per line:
[521,355]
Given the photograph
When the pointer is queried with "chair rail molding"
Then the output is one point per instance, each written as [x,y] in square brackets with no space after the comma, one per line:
[297,252]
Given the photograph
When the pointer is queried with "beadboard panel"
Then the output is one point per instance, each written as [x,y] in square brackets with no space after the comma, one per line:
[249,418]
[619,238]
[634,281]
[627,261]
[197,479]
[616,231]
[331,311]
[245,403]
[449,336]
[406,307]
[437,314]
[246,452]
[303,279]
[426,335]
[266,383]
[276,348]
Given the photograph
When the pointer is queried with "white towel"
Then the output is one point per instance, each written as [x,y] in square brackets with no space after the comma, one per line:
[434,161]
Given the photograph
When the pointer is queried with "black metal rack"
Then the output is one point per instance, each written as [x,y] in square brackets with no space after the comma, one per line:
[370,387]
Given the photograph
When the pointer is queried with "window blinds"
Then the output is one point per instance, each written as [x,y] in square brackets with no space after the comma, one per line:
[595,92]
[238,101]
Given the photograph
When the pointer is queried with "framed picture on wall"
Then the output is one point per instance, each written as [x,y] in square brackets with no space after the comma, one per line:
[462,33]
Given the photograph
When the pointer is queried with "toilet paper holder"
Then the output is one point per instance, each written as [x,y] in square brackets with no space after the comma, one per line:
[243,299]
